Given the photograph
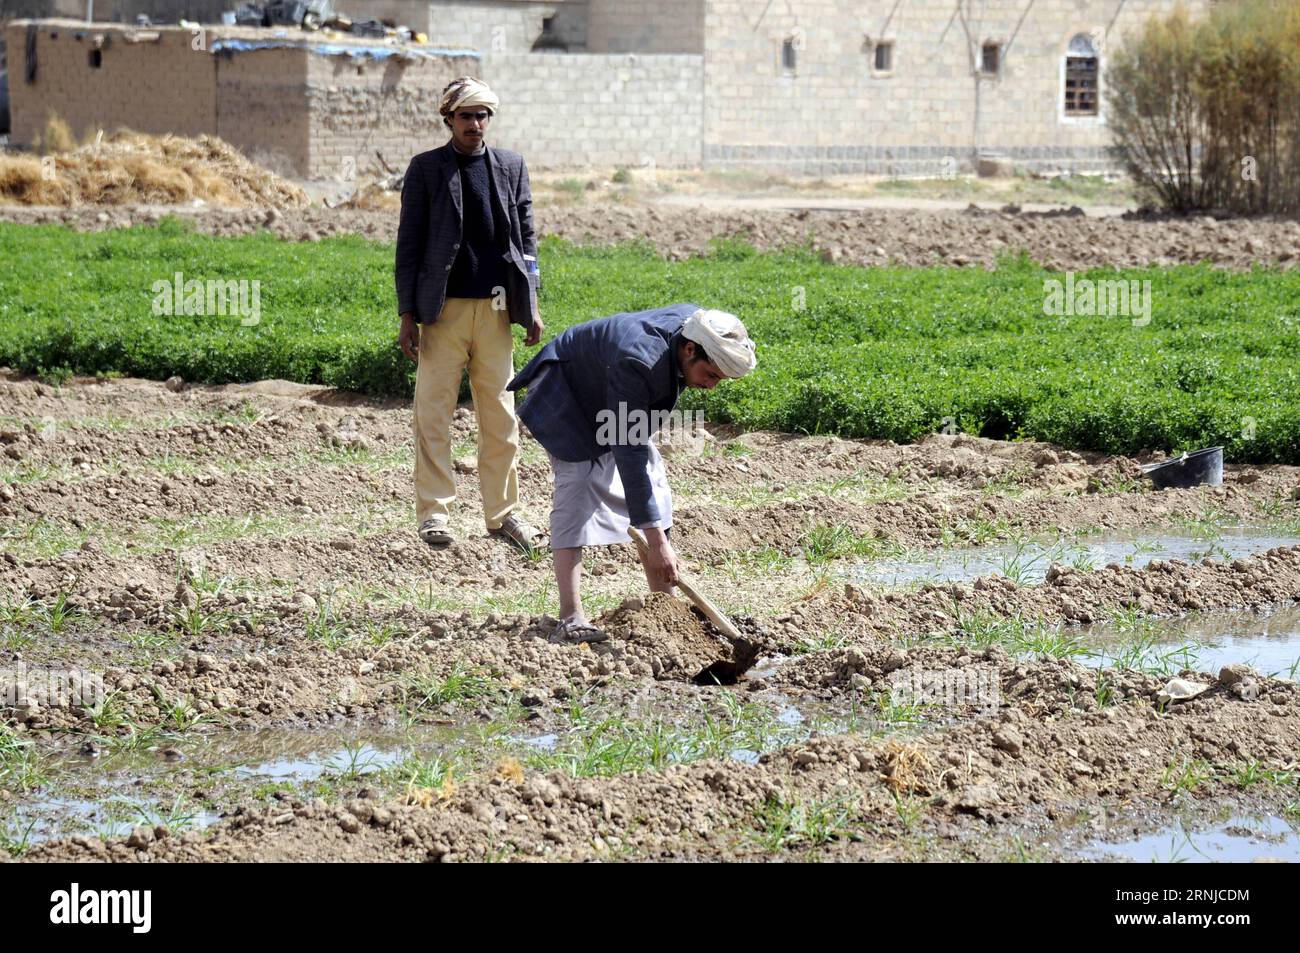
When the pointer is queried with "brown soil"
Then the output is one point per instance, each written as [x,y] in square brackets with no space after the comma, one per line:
[990,770]
[679,634]
[875,237]
[131,499]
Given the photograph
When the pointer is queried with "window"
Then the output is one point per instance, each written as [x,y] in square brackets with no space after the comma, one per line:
[787,55]
[1081,77]
[96,59]
[882,57]
[991,59]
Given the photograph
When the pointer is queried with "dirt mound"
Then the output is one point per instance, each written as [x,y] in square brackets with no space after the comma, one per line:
[226,560]
[129,167]
[868,237]
[964,784]
[681,642]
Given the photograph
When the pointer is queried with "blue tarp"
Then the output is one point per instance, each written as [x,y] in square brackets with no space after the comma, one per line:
[338,49]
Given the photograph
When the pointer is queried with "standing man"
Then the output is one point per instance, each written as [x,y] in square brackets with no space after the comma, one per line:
[596,394]
[466,270]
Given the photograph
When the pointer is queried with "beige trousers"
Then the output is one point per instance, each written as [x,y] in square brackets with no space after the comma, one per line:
[468,333]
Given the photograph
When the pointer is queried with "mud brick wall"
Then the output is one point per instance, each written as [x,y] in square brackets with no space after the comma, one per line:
[568,110]
[155,87]
[357,107]
[661,26]
[834,114]
[260,106]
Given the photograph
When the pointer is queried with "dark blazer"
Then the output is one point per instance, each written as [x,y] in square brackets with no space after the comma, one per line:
[627,358]
[429,233]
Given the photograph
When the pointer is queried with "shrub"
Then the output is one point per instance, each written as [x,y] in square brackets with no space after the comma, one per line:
[1206,114]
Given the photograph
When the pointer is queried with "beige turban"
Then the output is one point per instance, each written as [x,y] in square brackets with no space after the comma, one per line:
[724,339]
[467,91]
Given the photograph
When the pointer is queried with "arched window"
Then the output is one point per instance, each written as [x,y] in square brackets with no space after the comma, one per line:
[1081,63]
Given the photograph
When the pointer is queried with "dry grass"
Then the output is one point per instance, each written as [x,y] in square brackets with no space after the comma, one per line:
[56,137]
[510,769]
[371,194]
[131,167]
[905,765]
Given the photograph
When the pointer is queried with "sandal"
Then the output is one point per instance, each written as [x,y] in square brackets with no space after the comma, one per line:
[435,532]
[573,632]
[518,531]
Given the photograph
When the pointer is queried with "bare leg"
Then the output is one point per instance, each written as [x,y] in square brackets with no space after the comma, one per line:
[568,577]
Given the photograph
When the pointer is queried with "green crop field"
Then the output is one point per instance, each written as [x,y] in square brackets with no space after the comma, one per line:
[862,352]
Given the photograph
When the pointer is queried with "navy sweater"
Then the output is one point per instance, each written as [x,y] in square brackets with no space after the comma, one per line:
[479,267]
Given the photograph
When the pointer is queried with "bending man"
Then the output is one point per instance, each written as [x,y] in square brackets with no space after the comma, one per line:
[596,394]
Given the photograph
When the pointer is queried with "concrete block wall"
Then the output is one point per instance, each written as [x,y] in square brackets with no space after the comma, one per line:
[635,26]
[833,113]
[357,108]
[498,27]
[567,110]
[155,86]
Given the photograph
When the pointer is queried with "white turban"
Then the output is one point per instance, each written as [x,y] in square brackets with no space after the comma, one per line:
[467,91]
[724,339]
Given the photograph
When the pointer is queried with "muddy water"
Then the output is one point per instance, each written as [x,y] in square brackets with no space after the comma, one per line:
[1238,840]
[116,791]
[1266,640]
[188,783]
[1027,561]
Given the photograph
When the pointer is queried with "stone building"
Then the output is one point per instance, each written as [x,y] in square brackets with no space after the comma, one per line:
[817,86]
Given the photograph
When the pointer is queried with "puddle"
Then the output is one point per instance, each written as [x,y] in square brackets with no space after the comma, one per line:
[1269,641]
[767,666]
[117,791]
[791,716]
[1027,561]
[546,742]
[187,783]
[1238,840]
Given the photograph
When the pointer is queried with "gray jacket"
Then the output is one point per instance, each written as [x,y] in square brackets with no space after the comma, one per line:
[626,359]
[429,233]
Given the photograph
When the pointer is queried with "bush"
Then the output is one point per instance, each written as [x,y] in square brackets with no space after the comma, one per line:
[1206,114]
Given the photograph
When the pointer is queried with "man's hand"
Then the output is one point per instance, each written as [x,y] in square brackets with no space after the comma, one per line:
[535,332]
[660,560]
[408,336]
